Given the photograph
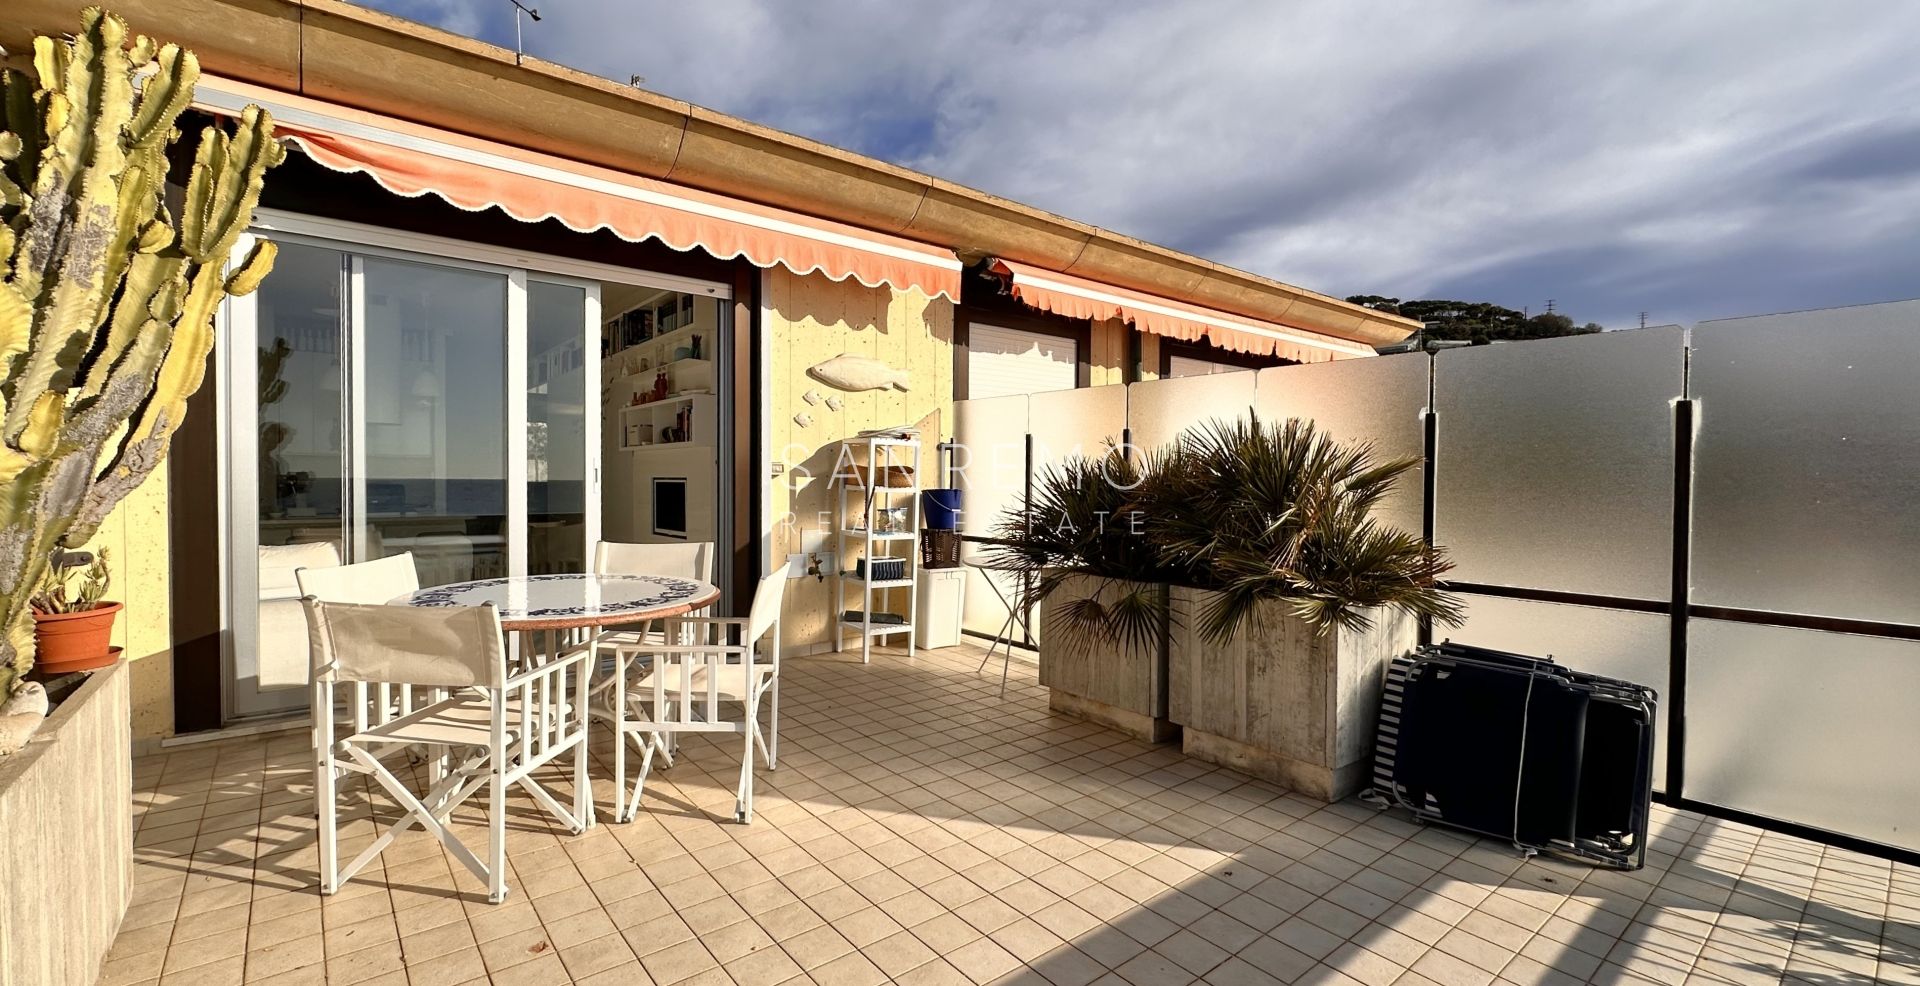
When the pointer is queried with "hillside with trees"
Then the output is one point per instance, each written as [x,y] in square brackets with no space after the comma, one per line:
[1476,321]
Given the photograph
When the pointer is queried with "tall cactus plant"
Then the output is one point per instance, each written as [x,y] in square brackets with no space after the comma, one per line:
[107,303]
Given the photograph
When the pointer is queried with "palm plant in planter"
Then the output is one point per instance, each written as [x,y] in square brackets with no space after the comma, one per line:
[1251,567]
[1082,527]
[1078,554]
[1283,513]
[106,296]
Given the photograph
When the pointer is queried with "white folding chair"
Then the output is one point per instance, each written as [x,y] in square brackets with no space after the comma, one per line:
[624,647]
[498,729]
[678,559]
[370,583]
[707,661]
[280,635]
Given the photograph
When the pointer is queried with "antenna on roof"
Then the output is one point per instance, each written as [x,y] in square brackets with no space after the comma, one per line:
[518,9]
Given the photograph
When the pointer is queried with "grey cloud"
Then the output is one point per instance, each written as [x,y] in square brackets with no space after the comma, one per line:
[1707,157]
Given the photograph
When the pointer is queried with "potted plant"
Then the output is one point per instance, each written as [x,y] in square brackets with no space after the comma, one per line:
[106,322]
[1296,598]
[1077,556]
[72,620]
[1234,585]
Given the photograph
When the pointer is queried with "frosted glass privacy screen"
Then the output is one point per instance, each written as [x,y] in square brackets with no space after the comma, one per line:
[990,464]
[1159,410]
[1068,423]
[991,468]
[1360,400]
[1807,726]
[1612,642]
[1554,467]
[1807,463]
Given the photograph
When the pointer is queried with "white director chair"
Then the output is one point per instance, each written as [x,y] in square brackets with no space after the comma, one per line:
[496,730]
[624,647]
[680,560]
[371,583]
[704,665]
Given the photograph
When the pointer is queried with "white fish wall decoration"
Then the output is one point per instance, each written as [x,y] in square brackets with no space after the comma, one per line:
[811,397]
[856,373]
[803,419]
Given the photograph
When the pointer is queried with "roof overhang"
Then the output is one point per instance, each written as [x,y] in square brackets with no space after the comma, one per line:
[335,51]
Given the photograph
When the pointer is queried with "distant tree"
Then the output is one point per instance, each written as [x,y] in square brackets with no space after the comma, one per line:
[1477,321]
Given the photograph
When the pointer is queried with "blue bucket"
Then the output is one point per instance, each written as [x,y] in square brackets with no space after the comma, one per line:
[940,509]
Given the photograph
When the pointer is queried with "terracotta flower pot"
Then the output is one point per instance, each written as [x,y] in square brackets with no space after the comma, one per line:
[79,641]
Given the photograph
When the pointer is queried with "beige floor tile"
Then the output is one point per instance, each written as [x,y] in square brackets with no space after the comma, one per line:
[924,829]
[677,962]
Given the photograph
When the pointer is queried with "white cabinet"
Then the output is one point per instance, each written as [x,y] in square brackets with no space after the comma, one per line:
[940,595]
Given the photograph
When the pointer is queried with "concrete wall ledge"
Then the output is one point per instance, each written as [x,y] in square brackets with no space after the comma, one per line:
[66,837]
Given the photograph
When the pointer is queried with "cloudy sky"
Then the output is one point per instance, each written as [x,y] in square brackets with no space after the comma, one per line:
[1688,159]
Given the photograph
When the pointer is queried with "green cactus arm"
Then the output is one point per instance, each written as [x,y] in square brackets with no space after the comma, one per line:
[208,159]
[50,63]
[98,83]
[22,120]
[186,360]
[166,94]
[16,323]
[148,297]
[77,177]
[254,269]
[12,196]
[220,196]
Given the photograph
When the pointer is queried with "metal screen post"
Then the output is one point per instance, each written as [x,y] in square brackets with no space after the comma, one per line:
[1676,697]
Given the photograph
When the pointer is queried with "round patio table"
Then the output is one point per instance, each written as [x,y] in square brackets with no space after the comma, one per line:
[572,602]
[570,609]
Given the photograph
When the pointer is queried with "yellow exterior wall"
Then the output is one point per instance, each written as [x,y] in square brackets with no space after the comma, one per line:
[136,538]
[809,320]
[1107,362]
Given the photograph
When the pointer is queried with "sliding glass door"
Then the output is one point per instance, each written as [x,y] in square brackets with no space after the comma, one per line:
[563,419]
[381,403]
[429,460]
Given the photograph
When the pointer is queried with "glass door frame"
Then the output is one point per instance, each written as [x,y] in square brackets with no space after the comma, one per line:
[236,383]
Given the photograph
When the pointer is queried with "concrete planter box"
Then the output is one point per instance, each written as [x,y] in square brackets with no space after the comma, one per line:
[66,837]
[1126,690]
[1280,701]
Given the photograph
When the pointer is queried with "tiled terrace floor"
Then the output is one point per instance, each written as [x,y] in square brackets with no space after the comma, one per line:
[921,829]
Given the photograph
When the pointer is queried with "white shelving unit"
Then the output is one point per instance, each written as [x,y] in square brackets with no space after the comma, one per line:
[881,453]
[644,427]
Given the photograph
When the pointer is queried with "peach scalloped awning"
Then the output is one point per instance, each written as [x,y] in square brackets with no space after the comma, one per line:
[1074,297]
[412,160]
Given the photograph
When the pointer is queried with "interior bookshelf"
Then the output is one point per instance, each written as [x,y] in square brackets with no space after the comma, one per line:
[876,534]
[681,421]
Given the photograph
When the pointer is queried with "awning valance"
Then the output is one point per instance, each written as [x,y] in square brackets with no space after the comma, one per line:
[473,174]
[1074,297]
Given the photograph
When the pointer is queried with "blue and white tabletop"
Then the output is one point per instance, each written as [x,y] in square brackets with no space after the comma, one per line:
[560,602]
